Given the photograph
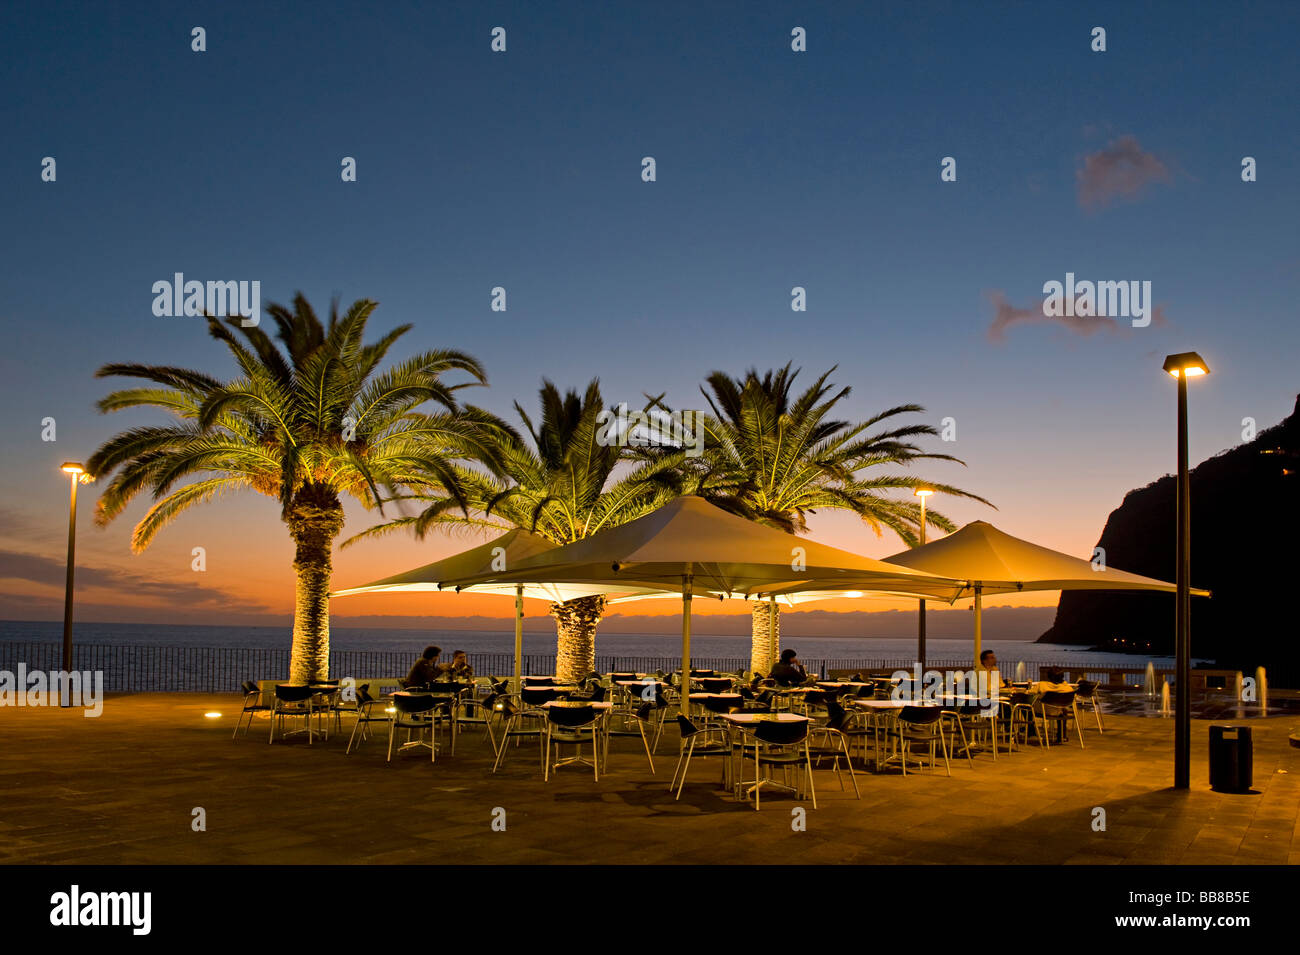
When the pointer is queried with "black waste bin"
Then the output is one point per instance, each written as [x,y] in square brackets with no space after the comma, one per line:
[1231,759]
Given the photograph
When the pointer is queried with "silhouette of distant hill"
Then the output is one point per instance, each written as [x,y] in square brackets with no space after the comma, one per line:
[1245,548]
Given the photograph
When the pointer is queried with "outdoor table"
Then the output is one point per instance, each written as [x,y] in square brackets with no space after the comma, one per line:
[841,684]
[712,684]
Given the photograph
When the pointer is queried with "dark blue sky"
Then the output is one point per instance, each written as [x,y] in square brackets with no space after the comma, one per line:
[775,169]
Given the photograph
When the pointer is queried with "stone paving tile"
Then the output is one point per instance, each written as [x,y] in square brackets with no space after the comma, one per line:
[120,789]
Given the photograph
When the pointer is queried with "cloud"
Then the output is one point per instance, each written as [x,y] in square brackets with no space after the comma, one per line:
[1121,170]
[1005,315]
[15,565]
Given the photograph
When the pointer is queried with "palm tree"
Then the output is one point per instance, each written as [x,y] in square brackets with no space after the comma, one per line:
[775,457]
[570,476]
[306,423]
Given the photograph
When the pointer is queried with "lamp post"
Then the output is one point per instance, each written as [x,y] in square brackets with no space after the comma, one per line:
[1183,366]
[922,493]
[77,472]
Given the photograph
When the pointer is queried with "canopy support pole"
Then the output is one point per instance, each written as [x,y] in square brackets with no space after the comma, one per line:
[979,620]
[519,636]
[686,645]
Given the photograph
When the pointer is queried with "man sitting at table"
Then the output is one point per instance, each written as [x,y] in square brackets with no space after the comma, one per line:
[789,671]
[987,672]
[426,669]
[458,669]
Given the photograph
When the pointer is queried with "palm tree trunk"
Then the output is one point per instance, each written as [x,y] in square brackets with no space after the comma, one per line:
[575,636]
[314,521]
[763,642]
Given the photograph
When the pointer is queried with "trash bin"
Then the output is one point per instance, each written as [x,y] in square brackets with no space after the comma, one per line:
[1231,759]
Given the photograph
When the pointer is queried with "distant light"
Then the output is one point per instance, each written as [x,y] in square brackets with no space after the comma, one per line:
[390,709]
[213,715]
[73,467]
[923,492]
[1186,363]
[853,593]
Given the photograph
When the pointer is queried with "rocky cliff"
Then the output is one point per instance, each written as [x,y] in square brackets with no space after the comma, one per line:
[1245,548]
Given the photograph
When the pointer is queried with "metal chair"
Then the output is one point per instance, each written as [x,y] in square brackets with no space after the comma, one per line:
[923,725]
[252,704]
[780,743]
[292,700]
[518,723]
[832,740]
[1086,695]
[414,711]
[702,741]
[1064,708]
[366,705]
[572,724]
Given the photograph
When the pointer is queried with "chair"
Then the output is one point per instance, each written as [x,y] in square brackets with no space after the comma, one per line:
[1086,694]
[702,741]
[448,697]
[1017,717]
[645,717]
[366,705]
[919,724]
[572,724]
[832,739]
[414,711]
[520,722]
[1064,708]
[252,704]
[292,700]
[777,743]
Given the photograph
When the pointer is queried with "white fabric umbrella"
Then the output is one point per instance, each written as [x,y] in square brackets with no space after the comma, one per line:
[992,561]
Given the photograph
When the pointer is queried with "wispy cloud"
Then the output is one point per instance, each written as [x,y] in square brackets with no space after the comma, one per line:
[1006,315]
[15,565]
[1123,170]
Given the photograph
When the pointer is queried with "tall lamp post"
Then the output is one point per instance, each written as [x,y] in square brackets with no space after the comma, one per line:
[1183,366]
[78,473]
[922,493]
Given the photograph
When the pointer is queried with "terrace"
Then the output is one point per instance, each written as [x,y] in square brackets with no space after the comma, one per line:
[123,789]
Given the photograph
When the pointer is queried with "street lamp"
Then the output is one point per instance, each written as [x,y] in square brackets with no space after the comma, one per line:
[1183,366]
[922,493]
[78,473]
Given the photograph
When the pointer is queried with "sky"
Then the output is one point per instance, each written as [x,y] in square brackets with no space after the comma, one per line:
[522,170]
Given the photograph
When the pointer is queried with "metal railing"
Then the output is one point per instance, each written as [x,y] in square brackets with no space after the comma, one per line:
[142,668]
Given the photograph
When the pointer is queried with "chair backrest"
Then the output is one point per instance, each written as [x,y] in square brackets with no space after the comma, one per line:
[1085,688]
[1057,698]
[537,695]
[836,714]
[782,732]
[615,677]
[250,688]
[597,694]
[686,727]
[920,715]
[293,693]
[363,695]
[643,711]
[579,715]
[716,704]
[416,702]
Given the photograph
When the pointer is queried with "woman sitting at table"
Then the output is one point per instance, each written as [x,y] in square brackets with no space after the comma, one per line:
[789,671]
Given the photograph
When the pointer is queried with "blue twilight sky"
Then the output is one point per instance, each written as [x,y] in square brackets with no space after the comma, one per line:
[522,169]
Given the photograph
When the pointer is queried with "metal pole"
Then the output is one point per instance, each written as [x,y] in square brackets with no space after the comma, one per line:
[519,636]
[979,620]
[1182,613]
[67,596]
[686,645]
[920,620]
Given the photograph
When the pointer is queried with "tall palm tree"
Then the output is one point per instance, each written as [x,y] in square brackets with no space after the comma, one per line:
[775,456]
[307,423]
[569,476]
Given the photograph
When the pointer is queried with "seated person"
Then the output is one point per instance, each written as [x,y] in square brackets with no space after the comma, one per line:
[458,669]
[989,665]
[426,669]
[789,671]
